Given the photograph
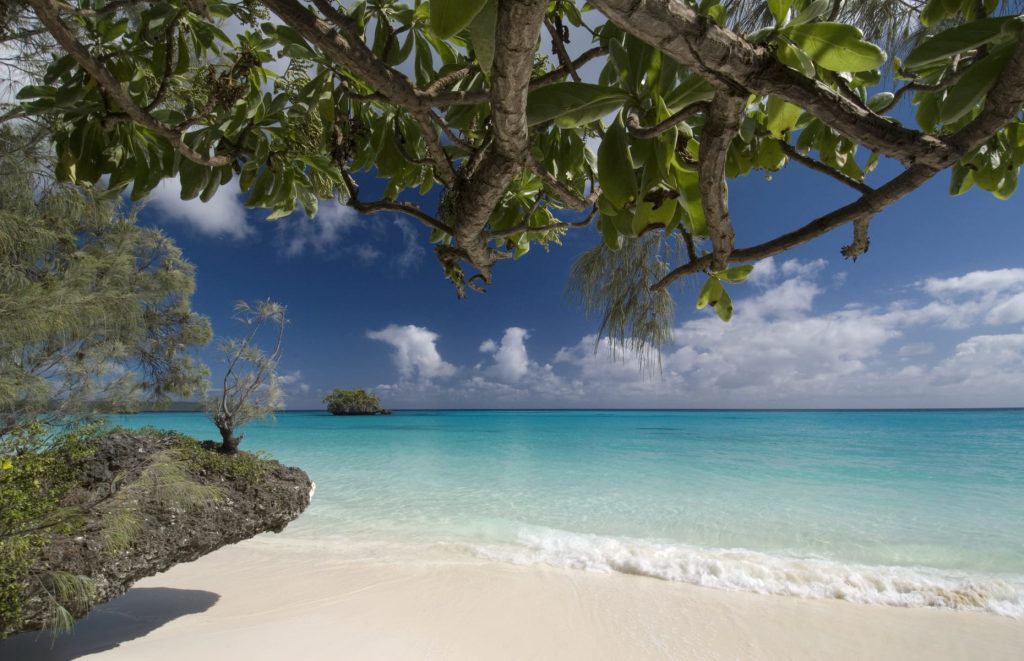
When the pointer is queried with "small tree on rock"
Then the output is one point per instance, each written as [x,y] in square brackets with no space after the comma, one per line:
[250,389]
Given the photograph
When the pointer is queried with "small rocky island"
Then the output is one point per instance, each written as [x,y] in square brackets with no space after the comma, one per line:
[354,402]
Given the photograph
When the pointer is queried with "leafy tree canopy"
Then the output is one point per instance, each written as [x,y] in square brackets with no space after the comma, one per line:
[680,96]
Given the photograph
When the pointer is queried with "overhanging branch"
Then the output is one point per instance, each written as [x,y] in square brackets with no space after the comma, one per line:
[46,11]
[721,127]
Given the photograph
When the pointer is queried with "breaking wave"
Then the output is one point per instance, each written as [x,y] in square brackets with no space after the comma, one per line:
[739,569]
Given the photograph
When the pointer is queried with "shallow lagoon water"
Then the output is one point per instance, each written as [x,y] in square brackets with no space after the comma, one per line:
[895,507]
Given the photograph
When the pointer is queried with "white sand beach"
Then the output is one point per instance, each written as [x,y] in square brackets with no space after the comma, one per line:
[265,600]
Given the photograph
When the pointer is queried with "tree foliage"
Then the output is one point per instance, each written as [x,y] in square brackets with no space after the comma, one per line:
[641,130]
[352,402]
[95,308]
[250,389]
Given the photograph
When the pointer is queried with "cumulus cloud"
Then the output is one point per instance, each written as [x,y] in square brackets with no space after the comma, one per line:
[768,271]
[292,383]
[412,248]
[222,216]
[415,352]
[780,350]
[335,229]
[511,362]
[976,282]
[320,234]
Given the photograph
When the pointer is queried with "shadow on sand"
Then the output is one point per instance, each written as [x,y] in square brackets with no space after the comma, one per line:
[136,613]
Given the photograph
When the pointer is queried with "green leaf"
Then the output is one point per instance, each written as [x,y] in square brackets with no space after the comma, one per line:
[449,17]
[770,156]
[710,293]
[794,58]
[611,236]
[836,46]
[961,180]
[781,116]
[193,178]
[935,11]
[811,11]
[36,92]
[481,34]
[780,10]
[736,274]
[1008,186]
[689,187]
[962,97]
[723,306]
[880,101]
[572,104]
[961,38]
[692,90]
[646,214]
[615,167]
[183,59]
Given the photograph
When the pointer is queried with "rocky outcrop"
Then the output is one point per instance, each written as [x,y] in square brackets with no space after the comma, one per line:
[150,502]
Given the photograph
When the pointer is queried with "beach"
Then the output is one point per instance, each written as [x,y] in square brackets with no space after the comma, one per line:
[265,600]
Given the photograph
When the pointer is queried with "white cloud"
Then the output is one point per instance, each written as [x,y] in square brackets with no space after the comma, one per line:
[976,282]
[320,234]
[333,228]
[780,350]
[768,271]
[412,251]
[223,215]
[292,383]
[367,254]
[511,362]
[915,349]
[1010,311]
[415,355]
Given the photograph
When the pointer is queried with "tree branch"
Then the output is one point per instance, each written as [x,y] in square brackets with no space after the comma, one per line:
[389,205]
[795,154]
[646,133]
[563,55]
[864,207]
[730,62]
[525,227]
[343,44]
[721,127]
[564,194]
[46,11]
[474,199]
[473,97]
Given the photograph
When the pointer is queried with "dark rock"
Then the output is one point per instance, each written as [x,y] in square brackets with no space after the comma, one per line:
[248,504]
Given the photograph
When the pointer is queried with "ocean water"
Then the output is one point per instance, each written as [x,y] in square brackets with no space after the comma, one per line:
[909,508]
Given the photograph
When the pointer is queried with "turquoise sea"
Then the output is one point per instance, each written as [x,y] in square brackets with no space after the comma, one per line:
[893,507]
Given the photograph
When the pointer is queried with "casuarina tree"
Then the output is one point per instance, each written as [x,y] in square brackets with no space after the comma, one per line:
[249,389]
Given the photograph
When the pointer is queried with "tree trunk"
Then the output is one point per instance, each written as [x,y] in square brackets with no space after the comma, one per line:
[229,442]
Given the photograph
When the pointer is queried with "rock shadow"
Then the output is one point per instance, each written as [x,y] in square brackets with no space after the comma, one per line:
[132,615]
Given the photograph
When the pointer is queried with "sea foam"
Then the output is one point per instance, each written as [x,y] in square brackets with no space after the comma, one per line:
[739,569]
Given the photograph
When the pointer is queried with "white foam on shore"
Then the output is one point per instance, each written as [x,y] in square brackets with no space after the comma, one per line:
[739,569]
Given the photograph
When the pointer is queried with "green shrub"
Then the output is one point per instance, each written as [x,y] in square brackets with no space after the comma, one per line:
[37,469]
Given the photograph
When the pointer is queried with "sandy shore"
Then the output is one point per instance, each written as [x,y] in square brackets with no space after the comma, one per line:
[262,600]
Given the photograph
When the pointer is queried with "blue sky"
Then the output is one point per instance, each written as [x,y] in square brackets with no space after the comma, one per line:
[931,316]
